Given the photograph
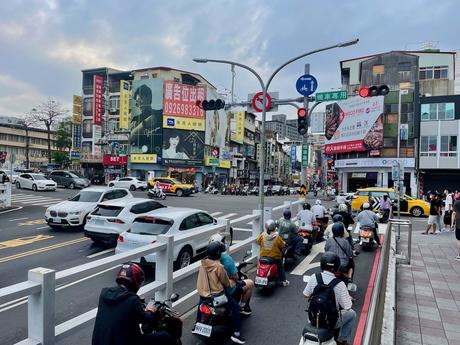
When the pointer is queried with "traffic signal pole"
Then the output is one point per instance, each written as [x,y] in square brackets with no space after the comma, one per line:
[303,170]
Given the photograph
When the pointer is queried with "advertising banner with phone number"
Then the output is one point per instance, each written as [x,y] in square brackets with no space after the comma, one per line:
[180,100]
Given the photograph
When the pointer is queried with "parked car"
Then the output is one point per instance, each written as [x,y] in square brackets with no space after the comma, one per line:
[286,190]
[68,179]
[173,186]
[98,179]
[268,191]
[254,191]
[73,212]
[8,174]
[132,183]
[277,190]
[35,182]
[172,221]
[111,218]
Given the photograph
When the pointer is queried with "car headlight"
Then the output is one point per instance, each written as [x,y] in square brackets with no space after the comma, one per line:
[76,213]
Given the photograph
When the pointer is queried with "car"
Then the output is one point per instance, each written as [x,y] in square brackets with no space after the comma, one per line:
[286,190]
[111,218]
[268,191]
[172,221]
[69,179]
[173,186]
[35,182]
[277,190]
[409,205]
[73,212]
[132,183]
[8,174]
[254,191]
[98,179]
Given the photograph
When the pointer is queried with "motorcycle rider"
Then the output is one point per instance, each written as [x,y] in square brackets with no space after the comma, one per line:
[369,220]
[305,217]
[289,232]
[340,246]
[156,188]
[330,264]
[242,292]
[212,280]
[347,220]
[385,205]
[272,245]
[320,212]
[337,218]
[120,312]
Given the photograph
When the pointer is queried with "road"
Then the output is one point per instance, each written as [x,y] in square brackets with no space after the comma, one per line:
[26,242]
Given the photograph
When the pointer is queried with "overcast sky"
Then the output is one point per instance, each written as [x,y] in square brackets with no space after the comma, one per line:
[46,44]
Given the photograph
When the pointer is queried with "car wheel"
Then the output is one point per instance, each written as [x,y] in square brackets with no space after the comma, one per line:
[184,258]
[132,188]
[72,185]
[18,185]
[179,192]
[34,187]
[416,211]
[110,184]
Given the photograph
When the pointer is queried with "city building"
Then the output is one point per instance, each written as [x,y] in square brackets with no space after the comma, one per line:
[283,127]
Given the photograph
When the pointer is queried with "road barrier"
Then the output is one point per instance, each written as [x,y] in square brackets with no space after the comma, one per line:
[41,284]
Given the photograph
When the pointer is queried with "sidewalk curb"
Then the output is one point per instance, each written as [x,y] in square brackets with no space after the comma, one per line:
[16,208]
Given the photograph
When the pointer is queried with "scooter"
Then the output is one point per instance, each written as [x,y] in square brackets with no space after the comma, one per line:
[384,216]
[156,194]
[366,238]
[266,273]
[307,238]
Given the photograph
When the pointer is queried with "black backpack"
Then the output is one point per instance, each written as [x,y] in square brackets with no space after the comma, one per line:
[322,311]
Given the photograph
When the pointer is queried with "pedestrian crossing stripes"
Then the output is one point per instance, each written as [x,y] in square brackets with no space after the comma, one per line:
[34,200]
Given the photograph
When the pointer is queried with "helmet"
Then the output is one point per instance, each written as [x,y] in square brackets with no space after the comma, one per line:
[337,218]
[338,229]
[330,261]
[366,206]
[214,250]
[385,194]
[270,225]
[217,238]
[306,206]
[287,214]
[131,275]
[343,208]
[318,202]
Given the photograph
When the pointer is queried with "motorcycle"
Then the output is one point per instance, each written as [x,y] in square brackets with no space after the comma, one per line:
[307,239]
[156,194]
[384,215]
[366,236]
[168,321]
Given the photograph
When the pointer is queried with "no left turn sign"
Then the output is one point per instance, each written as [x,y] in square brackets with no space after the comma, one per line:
[257,102]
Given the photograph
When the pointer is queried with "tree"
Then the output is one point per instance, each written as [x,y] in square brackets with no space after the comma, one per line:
[48,113]
[28,122]
[61,158]
[63,136]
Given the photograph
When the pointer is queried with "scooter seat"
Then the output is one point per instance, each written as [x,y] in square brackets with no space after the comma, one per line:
[267,260]
[310,332]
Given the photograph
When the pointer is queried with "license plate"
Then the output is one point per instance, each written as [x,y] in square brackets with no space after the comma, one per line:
[305,241]
[202,329]
[56,220]
[261,281]
[365,240]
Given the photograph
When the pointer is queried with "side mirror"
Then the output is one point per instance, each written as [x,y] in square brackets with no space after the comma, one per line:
[174,297]
[352,287]
[249,252]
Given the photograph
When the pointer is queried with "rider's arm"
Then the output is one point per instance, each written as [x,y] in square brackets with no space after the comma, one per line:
[223,277]
[342,295]
[452,220]
[142,315]
[308,291]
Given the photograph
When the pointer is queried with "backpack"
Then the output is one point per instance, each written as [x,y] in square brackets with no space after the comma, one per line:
[322,311]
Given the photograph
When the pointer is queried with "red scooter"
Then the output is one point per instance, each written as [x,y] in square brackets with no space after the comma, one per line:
[267,273]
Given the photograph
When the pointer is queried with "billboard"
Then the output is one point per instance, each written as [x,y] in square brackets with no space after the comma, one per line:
[125,95]
[147,119]
[355,124]
[237,127]
[317,123]
[217,125]
[183,147]
[180,100]
[98,84]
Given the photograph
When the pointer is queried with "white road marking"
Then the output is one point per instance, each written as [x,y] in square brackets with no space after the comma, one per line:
[13,220]
[305,264]
[214,214]
[47,205]
[228,215]
[242,229]
[101,253]
[40,201]
[43,227]
[43,202]
[250,223]
[16,208]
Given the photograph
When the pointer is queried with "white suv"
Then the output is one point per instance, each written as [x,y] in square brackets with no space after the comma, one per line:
[111,218]
[73,212]
[132,183]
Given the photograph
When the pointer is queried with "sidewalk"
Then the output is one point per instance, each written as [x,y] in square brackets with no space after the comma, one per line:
[428,291]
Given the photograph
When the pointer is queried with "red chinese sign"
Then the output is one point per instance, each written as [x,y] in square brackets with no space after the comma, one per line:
[115,160]
[97,99]
[180,100]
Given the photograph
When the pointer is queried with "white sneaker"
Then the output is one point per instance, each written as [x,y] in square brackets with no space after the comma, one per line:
[285,283]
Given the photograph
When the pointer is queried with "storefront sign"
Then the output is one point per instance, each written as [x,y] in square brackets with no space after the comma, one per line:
[180,100]
[225,164]
[211,161]
[115,160]
[304,155]
[293,155]
[374,162]
[188,124]
[143,158]
[76,118]
[358,175]
[125,95]
[237,128]
[112,171]
[97,99]
[186,170]
[74,155]
[77,136]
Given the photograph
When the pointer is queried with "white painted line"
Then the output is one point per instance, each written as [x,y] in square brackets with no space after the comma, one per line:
[13,220]
[47,205]
[43,227]
[40,201]
[28,197]
[242,229]
[214,214]
[250,223]
[229,215]
[16,208]
[305,264]
[101,253]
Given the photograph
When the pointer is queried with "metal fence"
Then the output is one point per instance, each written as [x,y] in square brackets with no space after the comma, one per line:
[41,284]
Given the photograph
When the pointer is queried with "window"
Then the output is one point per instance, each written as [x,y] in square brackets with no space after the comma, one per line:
[114,102]
[428,146]
[88,107]
[113,125]
[438,111]
[449,146]
[146,207]
[378,70]
[404,66]
[87,129]
[107,211]
[189,223]
[150,226]
[205,219]
[433,72]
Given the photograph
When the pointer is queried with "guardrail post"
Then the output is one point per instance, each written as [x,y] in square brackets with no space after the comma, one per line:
[164,267]
[40,307]
[409,243]
[288,205]
[256,229]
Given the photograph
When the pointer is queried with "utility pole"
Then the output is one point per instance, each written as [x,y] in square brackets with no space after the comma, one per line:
[303,170]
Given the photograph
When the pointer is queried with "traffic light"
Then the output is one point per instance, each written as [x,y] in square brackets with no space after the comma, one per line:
[371,91]
[211,104]
[302,121]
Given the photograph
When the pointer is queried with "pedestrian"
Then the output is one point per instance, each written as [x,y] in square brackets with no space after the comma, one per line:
[432,217]
[448,210]
[456,225]
[438,201]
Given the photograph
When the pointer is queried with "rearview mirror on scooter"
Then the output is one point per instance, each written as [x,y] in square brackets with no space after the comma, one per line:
[174,297]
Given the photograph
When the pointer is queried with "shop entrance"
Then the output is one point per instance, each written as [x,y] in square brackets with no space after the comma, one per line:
[361,180]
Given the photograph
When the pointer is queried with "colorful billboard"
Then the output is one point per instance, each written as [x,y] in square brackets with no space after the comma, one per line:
[185,123]
[125,95]
[218,127]
[183,147]
[147,119]
[180,100]
[355,124]
[98,85]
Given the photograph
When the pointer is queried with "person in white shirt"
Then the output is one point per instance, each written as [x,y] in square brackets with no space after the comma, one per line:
[319,212]
[448,210]
[306,218]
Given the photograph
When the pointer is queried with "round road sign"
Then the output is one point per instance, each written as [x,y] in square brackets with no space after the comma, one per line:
[257,102]
[306,85]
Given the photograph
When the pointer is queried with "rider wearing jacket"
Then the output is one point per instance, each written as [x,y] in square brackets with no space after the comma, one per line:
[368,219]
[289,232]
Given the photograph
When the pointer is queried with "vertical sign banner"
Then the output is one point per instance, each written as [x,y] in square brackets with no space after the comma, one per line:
[125,95]
[180,100]
[293,155]
[76,119]
[237,134]
[304,155]
[97,99]
[77,136]
[317,123]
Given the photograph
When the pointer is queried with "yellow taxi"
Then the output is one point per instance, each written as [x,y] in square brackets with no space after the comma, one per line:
[172,186]
[409,205]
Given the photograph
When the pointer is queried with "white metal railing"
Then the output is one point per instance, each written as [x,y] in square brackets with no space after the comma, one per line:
[41,284]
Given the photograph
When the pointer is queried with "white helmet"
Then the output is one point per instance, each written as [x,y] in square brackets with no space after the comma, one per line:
[318,202]
[366,206]
[343,208]
[218,238]
[270,225]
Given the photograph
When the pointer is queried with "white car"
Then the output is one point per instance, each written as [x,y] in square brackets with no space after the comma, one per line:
[7,173]
[132,183]
[35,182]
[111,218]
[171,221]
[73,212]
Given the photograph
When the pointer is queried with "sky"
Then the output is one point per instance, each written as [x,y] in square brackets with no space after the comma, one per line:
[46,43]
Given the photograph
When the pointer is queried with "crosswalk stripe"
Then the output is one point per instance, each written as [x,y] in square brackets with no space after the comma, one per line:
[229,215]
[33,198]
[45,202]
[47,205]
[40,201]
[30,197]
[216,213]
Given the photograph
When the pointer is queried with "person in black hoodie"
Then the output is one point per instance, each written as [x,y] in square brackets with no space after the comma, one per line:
[121,311]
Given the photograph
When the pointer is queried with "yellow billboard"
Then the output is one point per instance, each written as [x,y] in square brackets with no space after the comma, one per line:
[76,118]
[143,158]
[238,131]
[125,95]
[186,123]
[226,164]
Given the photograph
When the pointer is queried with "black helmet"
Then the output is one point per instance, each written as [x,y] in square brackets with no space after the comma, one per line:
[306,206]
[214,250]
[131,276]
[330,262]
[338,229]
[287,214]
[337,218]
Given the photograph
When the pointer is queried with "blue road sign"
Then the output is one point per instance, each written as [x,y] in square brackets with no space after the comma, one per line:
[306,85]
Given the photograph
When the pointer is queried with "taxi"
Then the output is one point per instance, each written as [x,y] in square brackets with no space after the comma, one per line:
[172,186]
[409,205]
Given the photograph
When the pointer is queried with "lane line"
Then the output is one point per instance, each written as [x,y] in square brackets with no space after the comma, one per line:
[48,202]
[228,215]
[47,205]
[14,220]
[31,197]
[39,201]
[302,267]
[242,229]
[15,208]
[43,227]
[216,213]
[101,253]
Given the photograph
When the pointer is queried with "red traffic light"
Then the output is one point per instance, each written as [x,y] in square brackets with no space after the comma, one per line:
[374,90]
[302,112]
[364,92]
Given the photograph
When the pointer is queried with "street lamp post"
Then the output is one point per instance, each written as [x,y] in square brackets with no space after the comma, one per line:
[265,87]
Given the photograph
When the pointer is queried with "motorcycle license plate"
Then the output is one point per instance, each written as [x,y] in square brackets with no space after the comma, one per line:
[305,241]
[261,281]
[365,240]
[202,329]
